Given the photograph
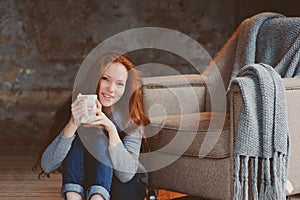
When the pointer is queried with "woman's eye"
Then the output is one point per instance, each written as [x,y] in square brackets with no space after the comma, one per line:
[121,84]
[104,78]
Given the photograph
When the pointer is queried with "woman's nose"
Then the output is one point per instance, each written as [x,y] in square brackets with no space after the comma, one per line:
[111,87]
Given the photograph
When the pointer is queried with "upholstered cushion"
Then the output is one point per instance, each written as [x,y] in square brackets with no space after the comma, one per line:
[204,134]
[173,95]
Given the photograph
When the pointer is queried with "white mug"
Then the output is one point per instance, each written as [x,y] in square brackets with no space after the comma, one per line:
[90,101]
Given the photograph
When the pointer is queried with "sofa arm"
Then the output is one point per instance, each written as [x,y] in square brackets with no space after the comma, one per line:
[292,91]
[171,95]
[291,83]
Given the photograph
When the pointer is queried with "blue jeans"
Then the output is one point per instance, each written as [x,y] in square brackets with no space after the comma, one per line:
[84,174]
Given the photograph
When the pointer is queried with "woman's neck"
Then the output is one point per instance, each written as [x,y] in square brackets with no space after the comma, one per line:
[107,110]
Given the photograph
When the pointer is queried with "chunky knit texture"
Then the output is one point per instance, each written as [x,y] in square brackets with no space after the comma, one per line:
[262,134]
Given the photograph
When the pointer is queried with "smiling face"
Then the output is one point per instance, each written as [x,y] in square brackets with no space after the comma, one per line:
[112,84]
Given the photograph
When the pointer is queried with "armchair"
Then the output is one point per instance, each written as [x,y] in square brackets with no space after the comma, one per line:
[210,175]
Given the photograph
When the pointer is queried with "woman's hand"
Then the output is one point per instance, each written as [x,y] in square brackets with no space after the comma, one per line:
[77,109]
[100,120]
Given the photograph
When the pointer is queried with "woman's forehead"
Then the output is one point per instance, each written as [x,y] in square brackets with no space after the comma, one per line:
[116,71]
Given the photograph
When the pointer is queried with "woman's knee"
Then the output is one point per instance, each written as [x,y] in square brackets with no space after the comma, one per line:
[72,167]
[98,173]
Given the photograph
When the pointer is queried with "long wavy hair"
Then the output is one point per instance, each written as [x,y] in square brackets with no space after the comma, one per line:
[131,97]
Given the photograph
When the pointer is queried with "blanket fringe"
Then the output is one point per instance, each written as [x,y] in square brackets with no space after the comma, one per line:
[254,166]
[277,187]
[262,183]
[271,180]
[237,183]
[269,194]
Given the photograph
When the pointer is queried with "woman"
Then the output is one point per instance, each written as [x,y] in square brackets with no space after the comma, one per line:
[114,175]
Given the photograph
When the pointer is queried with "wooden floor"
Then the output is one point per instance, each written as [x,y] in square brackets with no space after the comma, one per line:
[19,182]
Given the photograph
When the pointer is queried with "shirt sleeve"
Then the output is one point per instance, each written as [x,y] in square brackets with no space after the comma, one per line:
[55,153]
[125,163]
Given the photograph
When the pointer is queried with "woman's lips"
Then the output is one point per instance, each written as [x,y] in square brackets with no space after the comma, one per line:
[107,97]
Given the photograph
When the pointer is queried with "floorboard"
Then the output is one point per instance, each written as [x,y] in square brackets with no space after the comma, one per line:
[19,182]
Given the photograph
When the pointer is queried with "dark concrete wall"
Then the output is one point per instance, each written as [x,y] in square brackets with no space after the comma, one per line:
[42,44]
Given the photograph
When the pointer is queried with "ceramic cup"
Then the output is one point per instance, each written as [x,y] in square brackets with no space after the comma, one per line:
[90,101]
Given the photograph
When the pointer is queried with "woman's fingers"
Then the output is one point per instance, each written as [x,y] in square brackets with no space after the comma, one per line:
[94,125]
[78,109]
[95,119]
[79,100]
[77,105]
[98,104]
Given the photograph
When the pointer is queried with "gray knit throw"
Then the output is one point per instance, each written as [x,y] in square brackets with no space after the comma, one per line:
[261,144]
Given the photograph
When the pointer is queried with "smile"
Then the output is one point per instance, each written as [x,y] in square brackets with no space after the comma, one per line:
[107,97]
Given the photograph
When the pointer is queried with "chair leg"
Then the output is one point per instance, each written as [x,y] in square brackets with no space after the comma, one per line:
[152,194]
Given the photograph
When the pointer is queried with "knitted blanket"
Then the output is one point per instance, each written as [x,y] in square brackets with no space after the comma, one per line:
[262,134]
[261,143]
[269,38]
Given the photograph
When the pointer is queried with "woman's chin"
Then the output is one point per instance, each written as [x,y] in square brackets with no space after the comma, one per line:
[106,104]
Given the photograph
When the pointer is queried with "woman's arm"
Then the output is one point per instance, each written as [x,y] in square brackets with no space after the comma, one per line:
[124,156]
[58,149]
[56,152]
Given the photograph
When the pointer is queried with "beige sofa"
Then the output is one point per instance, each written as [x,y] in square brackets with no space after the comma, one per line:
[192,141]
[211,176]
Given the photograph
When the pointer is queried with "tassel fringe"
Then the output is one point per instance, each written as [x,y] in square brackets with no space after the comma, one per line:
[272,177]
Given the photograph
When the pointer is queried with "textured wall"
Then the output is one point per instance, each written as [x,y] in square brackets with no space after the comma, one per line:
[42,44]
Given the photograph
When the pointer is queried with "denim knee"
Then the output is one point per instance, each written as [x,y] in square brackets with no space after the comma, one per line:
[99,172]
[72,167]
